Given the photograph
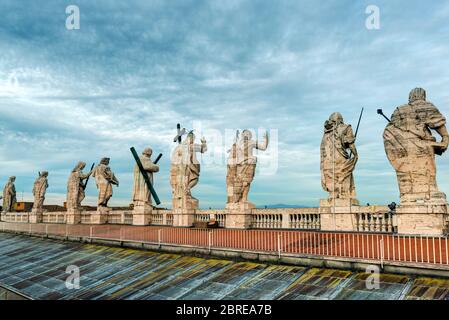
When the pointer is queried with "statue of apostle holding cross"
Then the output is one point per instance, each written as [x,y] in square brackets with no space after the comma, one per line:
[185,170]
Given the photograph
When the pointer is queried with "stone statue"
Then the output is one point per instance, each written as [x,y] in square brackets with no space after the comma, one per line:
[39,190]
[231,175]
[9,195]
[185,171]
[411,148]
[104,178]
[76,187]
[242,167]
[141,193]
[338,158]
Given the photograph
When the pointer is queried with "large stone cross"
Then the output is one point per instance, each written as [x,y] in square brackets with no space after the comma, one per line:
[180,134]
[145,176]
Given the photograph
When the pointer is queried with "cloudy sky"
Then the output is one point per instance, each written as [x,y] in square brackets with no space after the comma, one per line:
[136,68]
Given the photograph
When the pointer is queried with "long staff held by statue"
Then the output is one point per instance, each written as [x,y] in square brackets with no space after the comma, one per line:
[379,111]
[145,176]
[357,129]
[87,180]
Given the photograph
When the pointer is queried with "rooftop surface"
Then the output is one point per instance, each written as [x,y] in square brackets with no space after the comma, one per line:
[36,267]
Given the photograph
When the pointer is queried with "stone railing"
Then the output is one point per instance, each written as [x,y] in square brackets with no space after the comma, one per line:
[365,218]
[202,217]
[210,215]
[267,221]
[221,219]
[306,221]
[380,221]
[161,217]
[120,217]
[169,219]
[157,219]
[54,217]
[286,218]
[15,217]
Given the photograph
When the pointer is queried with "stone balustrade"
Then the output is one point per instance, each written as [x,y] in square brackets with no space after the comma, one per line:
[286,218]
[120,217]
[366,218]
[54,217]
[380,221]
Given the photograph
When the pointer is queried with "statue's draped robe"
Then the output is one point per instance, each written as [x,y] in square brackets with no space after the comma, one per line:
[244,169]
[75,189]
[9,197]
[231,176]
[177,176]
[246,166]
[343,137]
[185,171]
[104,179]
[408,144]
[39,190]
[141,193]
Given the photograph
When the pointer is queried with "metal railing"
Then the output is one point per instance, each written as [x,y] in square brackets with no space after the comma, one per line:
[357,246]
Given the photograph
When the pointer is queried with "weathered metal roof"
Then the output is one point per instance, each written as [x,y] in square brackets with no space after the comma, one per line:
[37,268]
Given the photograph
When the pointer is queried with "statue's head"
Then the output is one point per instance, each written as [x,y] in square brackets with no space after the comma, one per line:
[246,135]
[147,152]
[190,138]
[336,117]
[12,179]
[105,161]
[44,174]
[416,95]
[80,166]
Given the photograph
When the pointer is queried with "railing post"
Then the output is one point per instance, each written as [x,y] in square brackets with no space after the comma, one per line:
[382,252]
[46,230]
[279,245]
[210,241]
[159,237]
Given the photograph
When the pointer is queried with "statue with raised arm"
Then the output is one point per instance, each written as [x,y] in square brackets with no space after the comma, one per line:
[9,195]
[411,148]
[39,191]
[185,171]
[104,179]
[242,167]
[231,175]
[76,187]
[338,158]
[141,193]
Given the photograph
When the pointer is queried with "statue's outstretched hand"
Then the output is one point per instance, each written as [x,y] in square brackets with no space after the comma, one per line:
[440,147]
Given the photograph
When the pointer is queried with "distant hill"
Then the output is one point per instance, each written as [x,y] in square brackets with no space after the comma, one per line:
[280,206]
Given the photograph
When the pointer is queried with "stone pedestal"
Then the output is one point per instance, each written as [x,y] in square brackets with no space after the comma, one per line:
[36,216]
[183,217]
[184,214]
[73,216]
[338,214]
[100,216]
[142,215]
[422,219]
[239,215]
